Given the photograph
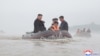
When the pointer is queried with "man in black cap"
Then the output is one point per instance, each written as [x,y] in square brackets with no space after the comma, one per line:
[64,24]
[39,24]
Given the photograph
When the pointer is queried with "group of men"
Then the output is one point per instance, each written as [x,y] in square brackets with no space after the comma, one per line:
[39,24]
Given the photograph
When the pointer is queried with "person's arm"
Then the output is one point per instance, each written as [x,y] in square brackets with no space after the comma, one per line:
[44,25]
[51,28]
[36,26]
[65,26]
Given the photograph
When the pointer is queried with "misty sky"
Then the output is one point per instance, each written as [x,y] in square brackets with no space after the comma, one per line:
[17,16]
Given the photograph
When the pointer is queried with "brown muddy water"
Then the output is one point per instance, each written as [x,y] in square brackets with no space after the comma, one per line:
[15,46]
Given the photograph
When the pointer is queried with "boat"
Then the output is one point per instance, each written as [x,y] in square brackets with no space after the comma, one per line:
[83,34]
[47,34]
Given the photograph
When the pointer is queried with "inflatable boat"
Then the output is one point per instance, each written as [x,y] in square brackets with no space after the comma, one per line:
[48,35]
[83,34]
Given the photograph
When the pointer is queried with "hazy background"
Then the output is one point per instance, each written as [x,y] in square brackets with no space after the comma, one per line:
[17,16]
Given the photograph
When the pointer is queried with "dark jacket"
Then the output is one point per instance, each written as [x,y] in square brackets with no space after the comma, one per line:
[64,26]
[39,26]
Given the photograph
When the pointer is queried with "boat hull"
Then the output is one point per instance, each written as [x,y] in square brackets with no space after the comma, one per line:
[48,34]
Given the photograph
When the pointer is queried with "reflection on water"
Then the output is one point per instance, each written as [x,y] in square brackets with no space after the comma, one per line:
[60,47]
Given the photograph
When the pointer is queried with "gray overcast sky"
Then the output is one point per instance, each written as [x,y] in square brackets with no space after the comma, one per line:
[17,16]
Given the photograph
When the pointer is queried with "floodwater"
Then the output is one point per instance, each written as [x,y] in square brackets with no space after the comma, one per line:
[60,47]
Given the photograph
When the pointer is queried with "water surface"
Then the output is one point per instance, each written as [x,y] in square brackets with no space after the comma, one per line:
[60,47]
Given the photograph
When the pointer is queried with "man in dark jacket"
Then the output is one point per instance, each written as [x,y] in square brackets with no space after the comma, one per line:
[64,24]
[39,24]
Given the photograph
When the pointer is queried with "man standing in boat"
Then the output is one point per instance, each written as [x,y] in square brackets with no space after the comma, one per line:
[39,24]
[64,24]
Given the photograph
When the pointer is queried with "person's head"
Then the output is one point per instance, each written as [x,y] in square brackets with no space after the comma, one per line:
[55,24]
[55,19]
[61,18]
[39,16]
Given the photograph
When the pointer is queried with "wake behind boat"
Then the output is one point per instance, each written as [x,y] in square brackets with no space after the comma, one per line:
[48,35]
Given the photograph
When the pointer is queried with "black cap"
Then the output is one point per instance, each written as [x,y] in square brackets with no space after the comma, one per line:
[55,19]
[40,15]
[55,22]
[61,17]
